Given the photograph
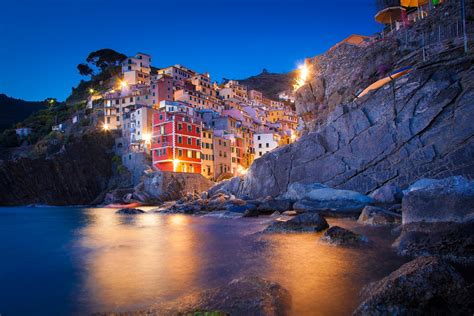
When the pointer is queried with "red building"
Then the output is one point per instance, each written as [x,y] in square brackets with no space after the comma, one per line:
[161,88]
[176,140]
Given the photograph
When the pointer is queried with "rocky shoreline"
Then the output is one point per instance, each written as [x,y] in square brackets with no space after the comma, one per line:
[433,224]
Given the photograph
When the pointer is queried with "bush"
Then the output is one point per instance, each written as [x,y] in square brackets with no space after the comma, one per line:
[9,138]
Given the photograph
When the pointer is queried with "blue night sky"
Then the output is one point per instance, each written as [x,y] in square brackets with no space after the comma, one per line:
[42,41]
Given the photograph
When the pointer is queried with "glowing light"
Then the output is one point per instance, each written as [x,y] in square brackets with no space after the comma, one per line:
[147,138]
[105,127]
[175,164]
[241,170]
[91,90]
[123,84]
[303,73]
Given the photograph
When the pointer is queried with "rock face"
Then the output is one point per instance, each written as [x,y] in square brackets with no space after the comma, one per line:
[342,237]
[424,286]
[75,176]
[446,200]
[307,222]
[166,186]
[418,126]
[372,215]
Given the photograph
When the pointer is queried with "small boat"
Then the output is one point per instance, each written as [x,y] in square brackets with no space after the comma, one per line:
[130,205]
[380,83]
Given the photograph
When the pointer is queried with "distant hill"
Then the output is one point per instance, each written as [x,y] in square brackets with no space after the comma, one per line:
[16,110]
[270,84]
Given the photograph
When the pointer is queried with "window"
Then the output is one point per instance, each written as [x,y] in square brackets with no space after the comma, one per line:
[198,142]
[180,126]
[258,137]
[162,130]
[260,153]
[161,117]
[190,154]
[180,139]
[180,152]
[268,145]
[259,145]
[190,141]
[198,155]
[198,130]
[190,128]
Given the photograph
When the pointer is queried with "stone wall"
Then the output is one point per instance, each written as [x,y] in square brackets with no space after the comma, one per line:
[166,186]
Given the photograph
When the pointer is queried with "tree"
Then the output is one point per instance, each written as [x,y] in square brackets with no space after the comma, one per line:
[104,58]
[85,70]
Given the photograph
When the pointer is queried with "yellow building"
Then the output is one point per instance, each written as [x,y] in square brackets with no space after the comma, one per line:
[275,115]
[207,156]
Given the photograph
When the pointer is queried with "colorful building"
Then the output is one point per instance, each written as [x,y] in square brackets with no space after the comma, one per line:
[176,141]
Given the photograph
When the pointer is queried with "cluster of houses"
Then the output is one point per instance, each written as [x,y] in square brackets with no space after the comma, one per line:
[187,123]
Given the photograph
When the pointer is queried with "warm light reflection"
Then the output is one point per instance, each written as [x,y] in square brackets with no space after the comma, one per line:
[241,170]
[123,84]
[105,127]
[302,76]
[135,259]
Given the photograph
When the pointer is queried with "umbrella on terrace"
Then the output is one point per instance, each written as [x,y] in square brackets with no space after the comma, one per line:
[412,3]
[389,15]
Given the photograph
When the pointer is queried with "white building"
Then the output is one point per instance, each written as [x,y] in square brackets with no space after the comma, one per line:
[264,143]
[23,131]
[141,127]
[136,70]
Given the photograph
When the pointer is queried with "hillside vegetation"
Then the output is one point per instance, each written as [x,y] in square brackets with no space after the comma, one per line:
[270,84]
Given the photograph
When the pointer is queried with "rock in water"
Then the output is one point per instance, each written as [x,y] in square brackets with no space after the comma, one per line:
[372,215]
[307,222]
[424,286]
[452,241]
[129,211]
[244,296]
[342,237]
[446,200]
[270,206]
[388,194]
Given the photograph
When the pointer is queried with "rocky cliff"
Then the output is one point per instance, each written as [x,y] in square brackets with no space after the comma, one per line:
[417,126]
[76,175]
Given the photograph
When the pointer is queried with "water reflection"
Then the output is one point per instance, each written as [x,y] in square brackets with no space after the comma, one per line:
[138,259]
[134,262]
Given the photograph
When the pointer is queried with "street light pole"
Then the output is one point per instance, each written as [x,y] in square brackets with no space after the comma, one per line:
[463,14]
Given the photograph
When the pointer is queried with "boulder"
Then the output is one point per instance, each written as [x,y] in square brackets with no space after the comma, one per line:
[230,186]
[388,194]
[452,241]
[447,200]
[343,237]
[307,222]
[318,198]
[372,215]
[129,211]
[424,286]
[299,191]
[272,205]
[224,214]
[243,296]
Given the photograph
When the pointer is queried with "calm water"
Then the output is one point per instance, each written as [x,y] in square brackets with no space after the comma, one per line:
[63,261]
